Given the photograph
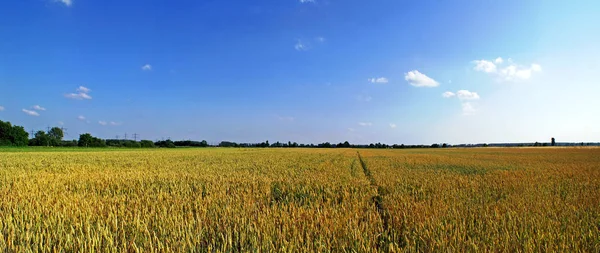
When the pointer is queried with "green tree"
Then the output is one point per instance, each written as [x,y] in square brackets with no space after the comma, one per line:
[147,144]
[87,140]
[40,139]
[20,137]
[12,135]
[56,135]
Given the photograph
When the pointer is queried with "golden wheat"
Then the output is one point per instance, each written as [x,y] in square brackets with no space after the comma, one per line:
[299,200]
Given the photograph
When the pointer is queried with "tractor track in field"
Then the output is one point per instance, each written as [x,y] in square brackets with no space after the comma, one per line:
[389,231]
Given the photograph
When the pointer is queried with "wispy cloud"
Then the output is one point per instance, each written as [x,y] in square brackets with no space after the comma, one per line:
[467,95]
[307,1]
[38,108]
[102,123]
[147,67]
[392,125]
[320,39]
[1,108]
[65,2]
[485,66]
[365,124]
[300,46]
[84,89]
[112,123]
[511,72]
[378,80]
[418,79]
[468,109]
[80,117]
[448,94]
[60,123]
[31,113]
[80,94]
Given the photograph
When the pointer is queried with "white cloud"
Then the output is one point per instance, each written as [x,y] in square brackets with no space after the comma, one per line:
[38,108]
[31,113]
[462,95]
[378,80]
[147,67]
[84,89]
[448,94]
[300,46]
[417,79]
[78,96]
[102,123]
[468,108]
[81,94]
[112,123]
[320,39]
[307,1]
[365,123]
[467,95]
[512,72]
[60,123]
[485,66]
[1,108]
[82,118]
[65,2]
[392,125]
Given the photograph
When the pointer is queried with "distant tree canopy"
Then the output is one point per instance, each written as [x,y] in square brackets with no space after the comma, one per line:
[87,140]
[53,138]
[56,135]
[147,144]
[123,143]
[40,139]
[12,135]
[17,136]
[165,144]
[189,143]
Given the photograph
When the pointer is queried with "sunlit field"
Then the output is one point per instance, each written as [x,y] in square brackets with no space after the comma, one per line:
[298,200]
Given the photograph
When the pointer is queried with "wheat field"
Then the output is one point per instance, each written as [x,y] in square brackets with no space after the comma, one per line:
[300,200]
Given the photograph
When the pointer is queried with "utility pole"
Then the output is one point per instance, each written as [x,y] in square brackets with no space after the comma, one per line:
[125,136]
[135,136]
[32,135]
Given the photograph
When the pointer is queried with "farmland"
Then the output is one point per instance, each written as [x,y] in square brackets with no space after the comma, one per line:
[297,200]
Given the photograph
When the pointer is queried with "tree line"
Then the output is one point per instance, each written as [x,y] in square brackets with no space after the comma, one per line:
[17,136]
[13,135]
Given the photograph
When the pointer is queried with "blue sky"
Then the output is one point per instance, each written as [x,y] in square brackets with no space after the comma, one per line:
[387,71]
